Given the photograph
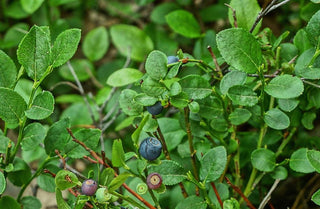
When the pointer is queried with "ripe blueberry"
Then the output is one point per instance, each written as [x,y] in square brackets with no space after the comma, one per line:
[172,59]
[89,187]
[155,109]
[154,180]
[150,148]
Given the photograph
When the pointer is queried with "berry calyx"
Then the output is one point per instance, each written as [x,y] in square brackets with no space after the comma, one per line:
[89,187]
[154,180]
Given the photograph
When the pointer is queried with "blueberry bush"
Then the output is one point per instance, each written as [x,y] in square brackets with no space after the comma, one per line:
[166,104]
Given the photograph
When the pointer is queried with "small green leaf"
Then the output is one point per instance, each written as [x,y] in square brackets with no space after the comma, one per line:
[90,137]
[12,106]
[34,52]
[307,120]
[31,202]
[171,129]
[152,87]
[240,49]
[213,164]
[136,134]
[231,79]
[3,183]
[118,181]
[124,77]
[57,136]
[171,172]
[242,95]
[279,173]
[96,43]
[194,106]
[65,179]
[277,119]
[231,204]
[131,41]
[299,161]
[239,116]
[127,103]
[106,176]
[183,23]
[246,13]
[31,5]
[304,69]
[42,106]
[263,160]
[314,159]
[180,101]
[211,108]
[8,71]
[288,104]
[159,12]
[195,86]
[145,100]
[118,159]
[21,172]
[285,87]
[192,202]
[156,65]
[316,197]
[312,28]
[60,201]
[65,46]
[14,35]
[301,41]
[9,202]
[33,135]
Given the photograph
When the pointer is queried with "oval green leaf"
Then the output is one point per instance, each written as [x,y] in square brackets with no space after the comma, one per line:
[231,79]
[156,65]
[242,95]
[314,159]
[263,160]
[65,179]
[239,116]
[96,43]
[3,183]
[277,119]
[195,86]
[124,77]
[299,161]
[285,87]
[42,106]
[8,70]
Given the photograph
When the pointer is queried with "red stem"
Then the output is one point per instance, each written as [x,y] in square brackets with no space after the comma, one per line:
[217,194]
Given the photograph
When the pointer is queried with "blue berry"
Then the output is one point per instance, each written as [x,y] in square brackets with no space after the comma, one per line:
[150,148]
[155,109]
[154,180]
[172,59]
[89,187]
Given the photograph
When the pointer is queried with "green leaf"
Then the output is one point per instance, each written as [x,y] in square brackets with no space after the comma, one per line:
[231,204]
[316,197]
[82,67]
[8,202]
[106,176]
[65,46]
[276,119]
[31,5]
[60,201]
[76,114]
[159,12]
[211,108]
[232,78]
[242,95]
[124,77]
[301,41]
[285,87]
[192,202]
[12,106]
[156,65]
[131,41]
[240,49]
[96,43]
[4,143]
[180,101]
[213,164]
[183,23]
[21,172]
[14,35]
[312,28]
[3,183]
[57,136]
[118,181]
[66,179]
[33,135]
[195,86]
[42,106]
[31,202]
[118,159]
[171,172]
[314,159]
[90,137]
[24,89]
[127,103]
[145,100]
[194,107]
[152,87]
[307,120]
[246,13]
[239,116]
[279,173]
[299,161]
[136,134]
[8,71]
[34,52]
[263,160]
[288,104]
[304,69]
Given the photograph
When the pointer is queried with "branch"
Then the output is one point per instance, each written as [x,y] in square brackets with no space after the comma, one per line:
[268,196]
[217,194]
[235,22]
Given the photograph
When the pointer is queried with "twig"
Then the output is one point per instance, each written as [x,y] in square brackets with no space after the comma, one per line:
[261,14]
[310,83]
[235,22]
[278,5]
[163,142]
[215,61]
[64,83]
[217,194]
[249,204]
[108,99]
[107,125]
[268,196]
[106,117]
[61,158]
[81,90]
